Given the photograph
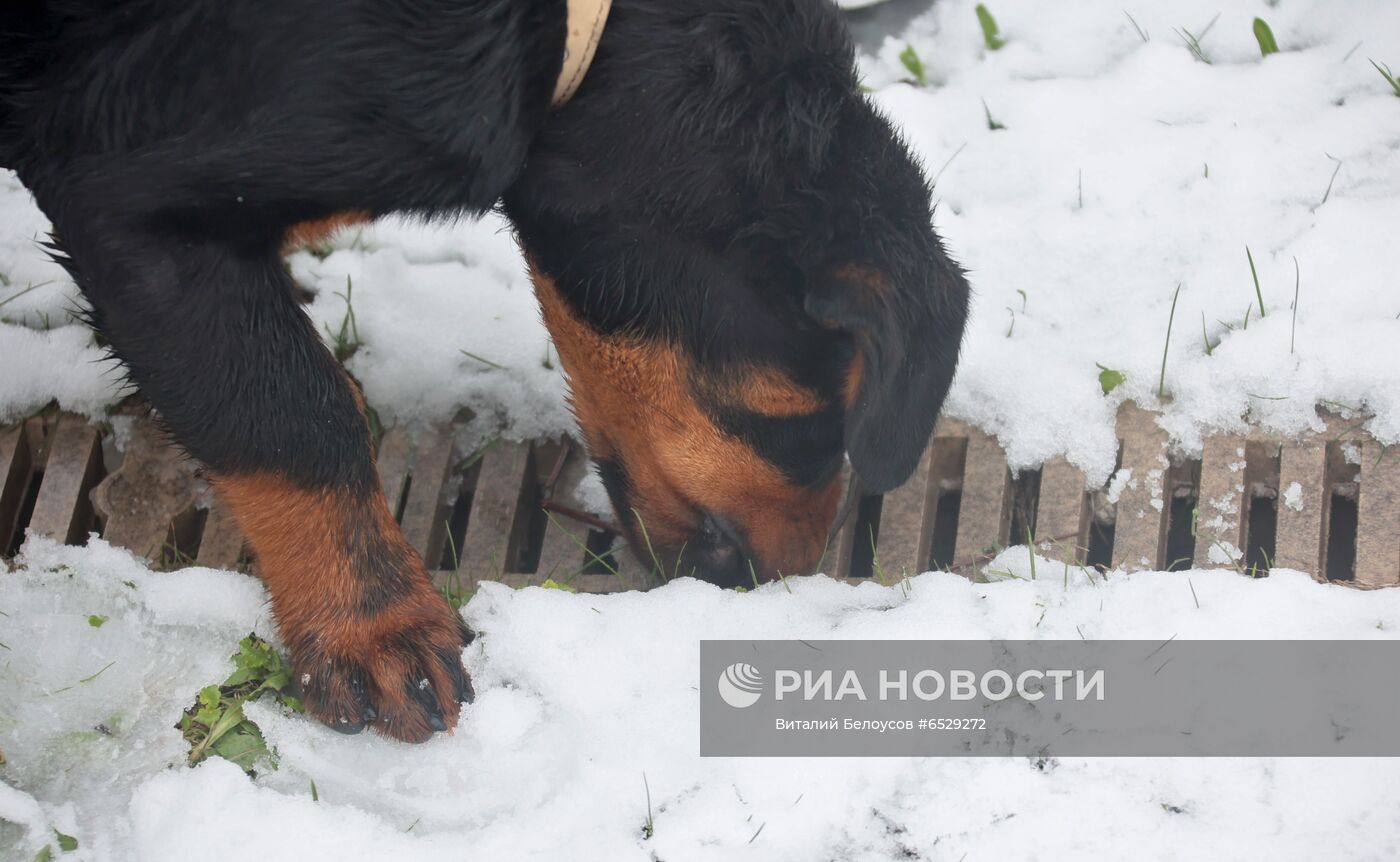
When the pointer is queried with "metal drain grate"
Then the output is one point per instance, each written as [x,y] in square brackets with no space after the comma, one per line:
[1327,503]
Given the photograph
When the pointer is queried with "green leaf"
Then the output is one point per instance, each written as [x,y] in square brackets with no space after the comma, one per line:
[66,843]
[209,696]
[1265,37]
[1110,378]
[96,620]
[910,58]
[244,747]
[990,35]
[44,855]
[232,717]
[551,584]
[276,681]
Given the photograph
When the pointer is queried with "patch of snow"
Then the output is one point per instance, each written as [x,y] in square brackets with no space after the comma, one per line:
[1122,479]
[1223,553]
[579,696]
[594,496]
[1293,496]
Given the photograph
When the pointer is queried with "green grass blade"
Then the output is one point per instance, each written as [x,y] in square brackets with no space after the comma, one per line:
[990,34]
[1162,379]
[1255,274]
[910,58]
[1388,75]
[1265,37]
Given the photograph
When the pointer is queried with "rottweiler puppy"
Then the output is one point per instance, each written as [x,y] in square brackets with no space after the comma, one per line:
[732,249]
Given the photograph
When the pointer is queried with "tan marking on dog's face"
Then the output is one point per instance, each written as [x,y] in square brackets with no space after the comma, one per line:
[635,403]
[770,392]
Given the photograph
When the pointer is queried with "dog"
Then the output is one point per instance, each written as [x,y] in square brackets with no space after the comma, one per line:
[732,250]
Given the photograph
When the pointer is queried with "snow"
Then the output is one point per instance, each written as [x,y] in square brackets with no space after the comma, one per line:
[1125,168]
[581,696]
[1293,496]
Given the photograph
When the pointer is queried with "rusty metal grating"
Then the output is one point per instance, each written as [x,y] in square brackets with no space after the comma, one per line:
[1326,503]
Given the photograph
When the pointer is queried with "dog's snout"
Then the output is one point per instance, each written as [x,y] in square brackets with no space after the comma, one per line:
[720,549]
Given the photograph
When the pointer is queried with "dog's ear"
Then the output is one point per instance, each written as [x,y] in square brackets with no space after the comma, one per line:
[907,333]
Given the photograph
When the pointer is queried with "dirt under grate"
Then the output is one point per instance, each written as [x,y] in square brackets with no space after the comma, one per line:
[1326,503]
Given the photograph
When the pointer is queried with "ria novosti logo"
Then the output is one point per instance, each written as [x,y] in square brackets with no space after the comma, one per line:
[740,685]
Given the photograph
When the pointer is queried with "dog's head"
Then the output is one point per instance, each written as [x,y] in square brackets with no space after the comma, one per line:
[720,432]
[734,256]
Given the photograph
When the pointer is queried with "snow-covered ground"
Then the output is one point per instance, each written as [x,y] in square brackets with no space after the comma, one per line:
[1126,167]
[587,704]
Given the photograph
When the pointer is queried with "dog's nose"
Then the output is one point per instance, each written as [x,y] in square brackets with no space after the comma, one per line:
[721,551]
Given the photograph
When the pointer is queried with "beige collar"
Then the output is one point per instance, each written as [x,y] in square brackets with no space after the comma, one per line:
[586,20]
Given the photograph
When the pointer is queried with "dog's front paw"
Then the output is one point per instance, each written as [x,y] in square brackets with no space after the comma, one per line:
[398,670]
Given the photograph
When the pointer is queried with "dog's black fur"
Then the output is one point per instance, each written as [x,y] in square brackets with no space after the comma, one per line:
[718,183]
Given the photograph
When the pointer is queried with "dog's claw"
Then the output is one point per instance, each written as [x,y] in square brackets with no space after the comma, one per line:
[345,726]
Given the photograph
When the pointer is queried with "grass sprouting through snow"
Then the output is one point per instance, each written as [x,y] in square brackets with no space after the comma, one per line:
[992,123]
[991,36]
[1327,194]
[346,340]
[1297,283]
[648,828]
[646,537]
[482,360]
[910,58]
[1210,348]
[1254,273]
[1162,378]
[1141,32]
[1193,40]
[934,181]
[1388,75]
[1265,37]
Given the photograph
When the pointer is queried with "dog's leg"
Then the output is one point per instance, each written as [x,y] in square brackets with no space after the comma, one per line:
[213,337]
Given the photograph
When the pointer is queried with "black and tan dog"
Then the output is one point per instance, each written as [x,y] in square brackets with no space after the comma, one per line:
[732,250]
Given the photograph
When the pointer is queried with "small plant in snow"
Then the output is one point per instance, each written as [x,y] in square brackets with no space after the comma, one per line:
[910,58]
[1327,194]
[1254,273]
[346,340]
[649,827]
[1193,40]
[215,724]
[66,844]
[992,122]
[1142,34]
[1162,379]
[1265,37]
[991,36]
[1110,378]
[1388,75]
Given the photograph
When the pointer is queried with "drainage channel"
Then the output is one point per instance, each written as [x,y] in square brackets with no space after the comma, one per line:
[1327,504]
